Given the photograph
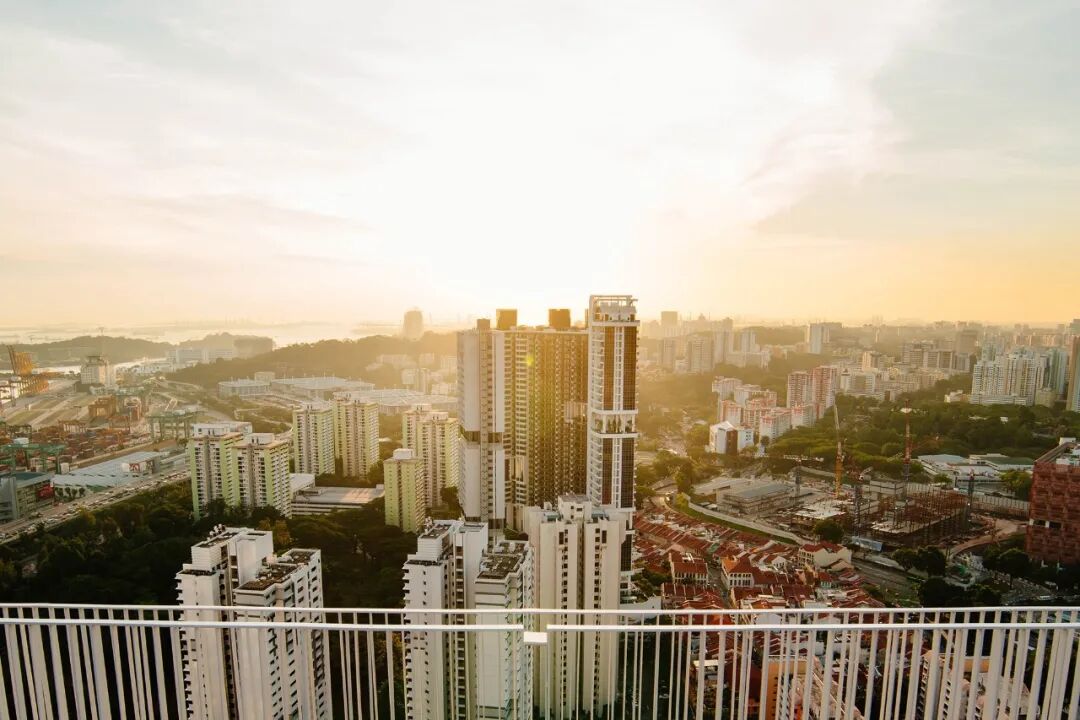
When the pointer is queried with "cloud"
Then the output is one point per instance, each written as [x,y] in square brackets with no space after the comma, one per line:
[443,147]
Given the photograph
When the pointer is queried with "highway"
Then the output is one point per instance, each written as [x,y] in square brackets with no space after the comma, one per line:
[64,511]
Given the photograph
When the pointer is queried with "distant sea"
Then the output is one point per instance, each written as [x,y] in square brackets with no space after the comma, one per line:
[285,334]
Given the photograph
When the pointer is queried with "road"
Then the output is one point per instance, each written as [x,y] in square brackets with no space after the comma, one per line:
[895,581]
[62,512]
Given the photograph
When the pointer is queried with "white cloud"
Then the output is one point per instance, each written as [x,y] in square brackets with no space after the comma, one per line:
[465,138]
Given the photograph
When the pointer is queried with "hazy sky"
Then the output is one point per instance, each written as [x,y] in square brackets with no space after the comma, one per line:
[288,160]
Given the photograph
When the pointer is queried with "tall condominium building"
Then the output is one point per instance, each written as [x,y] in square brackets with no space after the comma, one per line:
[257,674]
[452,674]
[313,438]
[97,370]
[433,436]
[546,374]
[612,399]
[817,337]
[1010,378]
[669,353]
[799,389]
[1073,381]
[412,327]
[1053,532]
[405,484]
[699,353]
[774,423]
[211,456]
[577,552]
[1057,371]
[522,394]
[482,413]
[824,383]
[356,433]
[262,472]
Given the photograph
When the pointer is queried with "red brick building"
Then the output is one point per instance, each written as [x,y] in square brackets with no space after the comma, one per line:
[1053,533]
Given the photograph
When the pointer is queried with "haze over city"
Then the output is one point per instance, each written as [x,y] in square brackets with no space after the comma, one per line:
[208,161]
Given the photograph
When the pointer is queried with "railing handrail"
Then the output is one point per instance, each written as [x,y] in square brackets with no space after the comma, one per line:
[648,612]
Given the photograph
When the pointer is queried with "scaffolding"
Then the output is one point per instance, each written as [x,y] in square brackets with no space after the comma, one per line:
[900,514]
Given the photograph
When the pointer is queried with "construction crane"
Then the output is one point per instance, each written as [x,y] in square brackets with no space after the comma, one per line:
[838,490]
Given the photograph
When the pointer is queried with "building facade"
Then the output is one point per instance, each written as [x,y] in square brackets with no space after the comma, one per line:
[356,434]
[211,455]
[262,472]
[522,395]
[1072,402]
[404,486]
[313,438]
[97,370]
[279,674]
[577,551]
[1053,532]
[433,436]
[450,675]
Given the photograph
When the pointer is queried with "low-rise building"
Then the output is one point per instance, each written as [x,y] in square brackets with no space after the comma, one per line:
[243,387]
[24,493]
[726,438]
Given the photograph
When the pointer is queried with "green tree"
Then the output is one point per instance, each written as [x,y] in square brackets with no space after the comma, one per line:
[906,557]
[1014,562]
[829,530]
[1018,482]
[931,560]
[935,592]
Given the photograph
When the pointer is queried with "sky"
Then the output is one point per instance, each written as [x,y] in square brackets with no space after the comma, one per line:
[344,161]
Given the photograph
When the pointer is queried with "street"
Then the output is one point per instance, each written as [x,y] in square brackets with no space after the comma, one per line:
[62,512]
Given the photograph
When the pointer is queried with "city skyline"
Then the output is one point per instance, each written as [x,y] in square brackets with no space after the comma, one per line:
[898,146]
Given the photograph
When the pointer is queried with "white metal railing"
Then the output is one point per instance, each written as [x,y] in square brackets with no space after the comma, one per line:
[140,662]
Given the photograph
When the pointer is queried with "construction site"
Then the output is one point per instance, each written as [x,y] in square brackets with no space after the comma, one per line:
[876,511]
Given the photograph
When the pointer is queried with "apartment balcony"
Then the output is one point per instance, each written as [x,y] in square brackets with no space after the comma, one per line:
[69,661]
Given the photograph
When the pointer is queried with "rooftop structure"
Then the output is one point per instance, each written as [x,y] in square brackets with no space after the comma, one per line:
[242,388]
[318,388]
[394,401]
[325,499]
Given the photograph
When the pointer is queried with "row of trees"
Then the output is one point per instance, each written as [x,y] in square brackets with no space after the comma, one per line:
[130,552]
[873,433]
[343,358]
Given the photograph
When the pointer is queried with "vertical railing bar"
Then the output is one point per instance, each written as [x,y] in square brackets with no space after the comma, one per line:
[390,679]
[721,638]
[159,672]
[808,670]
[744,678]
[114,643]
[854,658]
[27,665]
[101,688]
[59,692]
[699,707]
[826,675]
[994,672]
[871,668]
[1074,701]
[1036,672]
[762,686]
[178,673]
[976,666]
[913,671]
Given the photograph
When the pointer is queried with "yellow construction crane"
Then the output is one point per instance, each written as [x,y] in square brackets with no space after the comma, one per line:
[838,490]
